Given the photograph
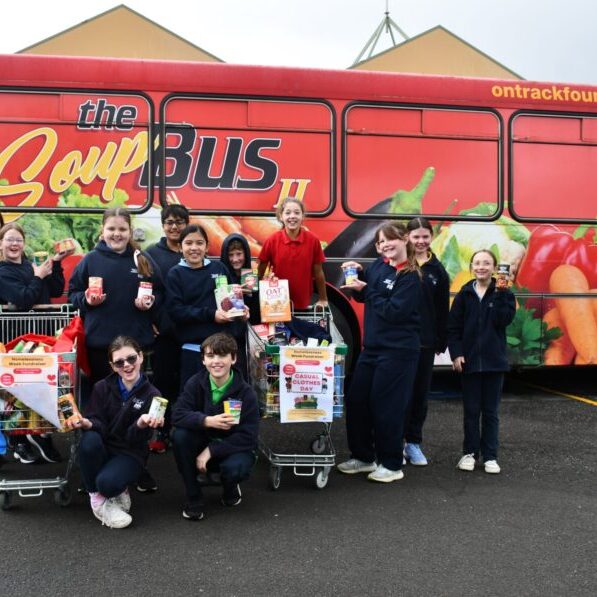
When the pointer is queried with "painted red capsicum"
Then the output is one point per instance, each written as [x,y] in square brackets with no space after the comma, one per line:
[549,247]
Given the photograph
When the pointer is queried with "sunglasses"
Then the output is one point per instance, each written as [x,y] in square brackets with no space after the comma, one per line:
[120,363]
[177,223]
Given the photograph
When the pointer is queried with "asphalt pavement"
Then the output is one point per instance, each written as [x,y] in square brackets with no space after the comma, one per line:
[529,531]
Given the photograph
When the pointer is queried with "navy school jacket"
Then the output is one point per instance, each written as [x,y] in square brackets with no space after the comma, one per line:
[117,314]
[392,320]
[195,403]
[116,420]
[477,328]
[21,288]
[435,305]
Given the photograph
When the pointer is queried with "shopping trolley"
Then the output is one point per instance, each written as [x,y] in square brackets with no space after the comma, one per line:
[19,418]
[264,365]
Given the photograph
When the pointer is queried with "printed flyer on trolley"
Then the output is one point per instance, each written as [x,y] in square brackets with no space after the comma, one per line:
[306,384]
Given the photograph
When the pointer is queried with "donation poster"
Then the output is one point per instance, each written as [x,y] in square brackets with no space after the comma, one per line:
[32,379]
[306,384]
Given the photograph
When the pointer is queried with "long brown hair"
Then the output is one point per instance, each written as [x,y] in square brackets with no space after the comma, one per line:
[122,341]
[5,228]
[398,231]
[143,264]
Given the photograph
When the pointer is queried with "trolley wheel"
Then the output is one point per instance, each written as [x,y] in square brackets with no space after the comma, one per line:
[321,478]
[275,476]
[5,500]
[319,444]
[63,497]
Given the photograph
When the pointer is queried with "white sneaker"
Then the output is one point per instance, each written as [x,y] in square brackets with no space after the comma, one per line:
[466,463]
[385,475]
[123,501]
[352,466]
[491,466]
[111,515]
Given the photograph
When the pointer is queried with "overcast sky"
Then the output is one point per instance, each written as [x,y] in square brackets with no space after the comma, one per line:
[550,40]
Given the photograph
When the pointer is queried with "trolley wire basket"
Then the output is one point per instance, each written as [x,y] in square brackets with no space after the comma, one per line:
[265,375]
[17,419]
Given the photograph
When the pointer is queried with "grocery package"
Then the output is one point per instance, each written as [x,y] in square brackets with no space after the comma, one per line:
[274,301]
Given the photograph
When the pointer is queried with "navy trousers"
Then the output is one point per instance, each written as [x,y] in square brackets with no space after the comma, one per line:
[376,405]
[103,471]
[481,394]
[417,408]
[187,445]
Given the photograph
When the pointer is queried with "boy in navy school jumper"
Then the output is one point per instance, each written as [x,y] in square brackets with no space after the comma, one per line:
[191,302]
[477,325]
[166,350]
[205,437]
[382,382]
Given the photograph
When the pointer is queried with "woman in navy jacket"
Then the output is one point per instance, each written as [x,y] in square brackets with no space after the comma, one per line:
[383,379]
[477,341]
[116,430]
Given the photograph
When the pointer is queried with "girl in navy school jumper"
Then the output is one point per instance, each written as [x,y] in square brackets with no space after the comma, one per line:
[477,341]
[434,308]
[383,378]
[191,302]
[118,261]
[24,285]
[116,430]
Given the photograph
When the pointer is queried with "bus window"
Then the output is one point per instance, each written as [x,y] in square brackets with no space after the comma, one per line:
[230,155]
[553,174]
[75,151]
[440,162]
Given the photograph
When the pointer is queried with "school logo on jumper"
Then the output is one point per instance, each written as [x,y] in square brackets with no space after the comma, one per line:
[389,283]
[433,279]
[137,404]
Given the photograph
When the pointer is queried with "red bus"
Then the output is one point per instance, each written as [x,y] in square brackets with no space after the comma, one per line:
[507,165]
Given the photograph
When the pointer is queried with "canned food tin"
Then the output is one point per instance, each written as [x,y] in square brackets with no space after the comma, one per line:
[157,410]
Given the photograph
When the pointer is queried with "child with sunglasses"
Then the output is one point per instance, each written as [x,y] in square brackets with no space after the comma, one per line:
[116,431]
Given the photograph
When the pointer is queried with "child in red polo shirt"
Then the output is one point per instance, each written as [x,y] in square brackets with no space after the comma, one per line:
[295,254]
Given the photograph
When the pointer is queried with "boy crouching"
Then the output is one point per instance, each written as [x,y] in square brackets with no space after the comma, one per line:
[210,435]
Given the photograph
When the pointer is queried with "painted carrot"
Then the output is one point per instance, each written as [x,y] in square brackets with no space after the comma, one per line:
[260,228]
[215,233]
[229,224]
[559,351]
[576,313]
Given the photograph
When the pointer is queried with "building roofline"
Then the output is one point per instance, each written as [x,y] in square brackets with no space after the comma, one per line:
[449,33]
[47,39]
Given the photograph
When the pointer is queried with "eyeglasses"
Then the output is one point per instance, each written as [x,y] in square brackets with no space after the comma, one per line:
[177,223]
[131,360]
[14,241]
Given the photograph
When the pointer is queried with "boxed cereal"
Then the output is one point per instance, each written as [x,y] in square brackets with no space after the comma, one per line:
[274,301]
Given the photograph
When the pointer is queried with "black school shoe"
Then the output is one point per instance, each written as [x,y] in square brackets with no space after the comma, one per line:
[193,511]
[24,453]
[146,483]
[231,496]
[43,444]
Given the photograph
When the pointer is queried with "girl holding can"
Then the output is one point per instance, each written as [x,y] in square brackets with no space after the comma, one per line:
[477,325]
[116,428]
[383,378]
[117,305]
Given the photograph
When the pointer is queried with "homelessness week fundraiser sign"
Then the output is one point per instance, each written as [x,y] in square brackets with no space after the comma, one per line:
[306,384]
